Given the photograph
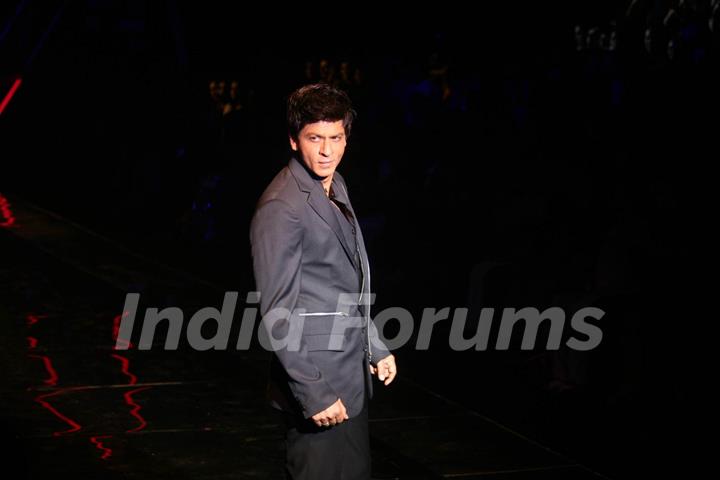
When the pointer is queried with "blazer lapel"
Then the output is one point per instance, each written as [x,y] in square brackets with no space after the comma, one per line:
[342,195]
[320,203]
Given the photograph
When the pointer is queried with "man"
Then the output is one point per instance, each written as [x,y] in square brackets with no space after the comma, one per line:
[312,272]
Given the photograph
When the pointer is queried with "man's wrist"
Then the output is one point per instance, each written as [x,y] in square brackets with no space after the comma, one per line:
[374,361]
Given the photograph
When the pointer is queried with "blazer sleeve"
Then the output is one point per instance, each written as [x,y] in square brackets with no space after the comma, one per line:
[276,236]
[378,349]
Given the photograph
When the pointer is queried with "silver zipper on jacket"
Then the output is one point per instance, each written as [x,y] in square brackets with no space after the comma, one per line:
[367,310]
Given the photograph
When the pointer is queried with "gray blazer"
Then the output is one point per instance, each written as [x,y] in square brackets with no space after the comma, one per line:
[303,263]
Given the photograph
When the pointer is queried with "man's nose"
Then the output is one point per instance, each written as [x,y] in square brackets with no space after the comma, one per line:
[325,148]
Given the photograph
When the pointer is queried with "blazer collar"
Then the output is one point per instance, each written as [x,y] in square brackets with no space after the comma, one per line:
[306,179]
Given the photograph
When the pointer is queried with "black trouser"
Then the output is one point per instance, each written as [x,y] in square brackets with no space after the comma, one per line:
[319,453]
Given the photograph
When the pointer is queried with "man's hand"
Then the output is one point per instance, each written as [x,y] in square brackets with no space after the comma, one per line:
[386,369]
[333,415]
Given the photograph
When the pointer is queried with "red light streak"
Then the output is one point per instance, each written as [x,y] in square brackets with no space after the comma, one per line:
[116,331]
[6,212]
[9,95]
[33,319]
[125,365]
[107,452]
[125,369]
[135,412]
[74,426]
[52,380]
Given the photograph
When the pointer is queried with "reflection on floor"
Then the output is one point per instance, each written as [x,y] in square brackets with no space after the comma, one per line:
[74,406]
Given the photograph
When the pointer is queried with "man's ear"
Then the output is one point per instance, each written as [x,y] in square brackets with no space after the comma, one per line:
[293,143]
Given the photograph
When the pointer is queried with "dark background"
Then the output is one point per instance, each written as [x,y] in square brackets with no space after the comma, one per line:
[544,154]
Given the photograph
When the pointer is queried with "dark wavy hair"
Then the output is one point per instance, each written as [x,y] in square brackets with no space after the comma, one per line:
[318,102]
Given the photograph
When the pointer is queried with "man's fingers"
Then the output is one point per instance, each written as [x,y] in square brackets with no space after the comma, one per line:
[325,421]
[339,413]
[332,416]
[386,370]
[322,419]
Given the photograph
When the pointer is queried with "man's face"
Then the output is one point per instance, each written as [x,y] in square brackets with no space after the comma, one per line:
[321,146]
